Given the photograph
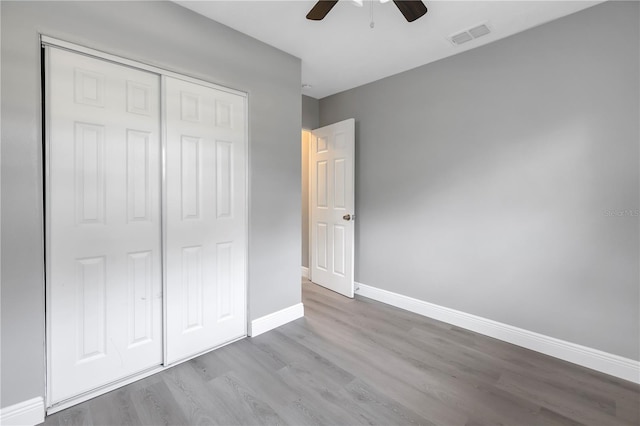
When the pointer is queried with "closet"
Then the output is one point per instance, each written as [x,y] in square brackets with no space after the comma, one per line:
[146,229]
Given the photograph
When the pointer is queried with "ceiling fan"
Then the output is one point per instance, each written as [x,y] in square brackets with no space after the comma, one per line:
[411,9]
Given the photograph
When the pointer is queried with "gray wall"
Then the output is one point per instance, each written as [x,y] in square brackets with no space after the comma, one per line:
[310,113]
[166,35]
[310,121]
[484,181]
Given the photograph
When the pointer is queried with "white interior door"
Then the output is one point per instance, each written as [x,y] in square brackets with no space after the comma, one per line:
[205,218]
[103,223]
[332,206]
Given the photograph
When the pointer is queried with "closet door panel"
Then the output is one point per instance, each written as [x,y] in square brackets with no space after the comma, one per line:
[205,218]
[104,279]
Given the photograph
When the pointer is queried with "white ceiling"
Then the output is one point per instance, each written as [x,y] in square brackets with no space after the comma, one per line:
[342,51]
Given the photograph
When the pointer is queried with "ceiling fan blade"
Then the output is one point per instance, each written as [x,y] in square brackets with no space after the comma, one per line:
[320,9]
[411,9]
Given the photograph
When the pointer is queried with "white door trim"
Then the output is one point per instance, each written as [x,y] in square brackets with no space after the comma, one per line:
[306,270]
[54,42]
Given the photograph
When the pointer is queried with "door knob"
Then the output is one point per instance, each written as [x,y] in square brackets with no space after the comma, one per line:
[346,217]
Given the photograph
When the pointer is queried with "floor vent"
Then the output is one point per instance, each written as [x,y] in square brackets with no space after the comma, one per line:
[468,35]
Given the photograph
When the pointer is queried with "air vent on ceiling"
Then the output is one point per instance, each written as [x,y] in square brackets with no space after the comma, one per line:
[468,35]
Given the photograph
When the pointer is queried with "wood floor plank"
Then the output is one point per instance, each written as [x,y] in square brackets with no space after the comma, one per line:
[262,369]
[192,395]
[209,366]
[375,407]
[231,390]
[319,395]
[74,416]
[449,384]
[116,408]
[294,353]
[156,406]
[424,355]
[322,380]
[357,362]
[567,404]
[384,379]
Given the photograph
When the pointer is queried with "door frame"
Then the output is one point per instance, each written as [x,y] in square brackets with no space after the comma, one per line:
[45,43]
[309,222]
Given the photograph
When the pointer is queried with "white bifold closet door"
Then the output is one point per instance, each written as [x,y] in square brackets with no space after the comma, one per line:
[205,218]
[104,278]
[146,256]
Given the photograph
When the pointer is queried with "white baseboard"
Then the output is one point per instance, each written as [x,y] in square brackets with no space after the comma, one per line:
[276,319]
[595,359]
[305,272]
[25,413]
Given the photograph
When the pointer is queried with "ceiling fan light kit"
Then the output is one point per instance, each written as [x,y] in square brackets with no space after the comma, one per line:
[410,9]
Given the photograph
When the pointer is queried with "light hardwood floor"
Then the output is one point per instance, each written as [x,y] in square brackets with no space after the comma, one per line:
[352,362]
